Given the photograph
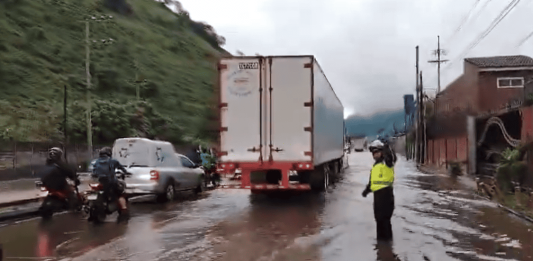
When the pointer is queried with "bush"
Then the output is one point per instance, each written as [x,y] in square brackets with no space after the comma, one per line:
[455,169]
[511,169]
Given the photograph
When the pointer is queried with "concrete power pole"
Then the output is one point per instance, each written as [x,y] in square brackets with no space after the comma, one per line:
[65,132]
[417,136]
[88,71]
[423,117]
[438,52]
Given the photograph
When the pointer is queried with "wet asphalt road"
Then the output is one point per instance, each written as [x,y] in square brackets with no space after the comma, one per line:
[436,218]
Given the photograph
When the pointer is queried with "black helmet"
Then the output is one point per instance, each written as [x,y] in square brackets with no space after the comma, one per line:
[106,151]
[55,153]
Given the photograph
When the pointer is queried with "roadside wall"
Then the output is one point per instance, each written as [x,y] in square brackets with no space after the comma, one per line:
[25,160]
[443,151]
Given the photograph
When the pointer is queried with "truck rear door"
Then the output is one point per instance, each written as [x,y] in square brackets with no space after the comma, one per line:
[289,108]
[241,115]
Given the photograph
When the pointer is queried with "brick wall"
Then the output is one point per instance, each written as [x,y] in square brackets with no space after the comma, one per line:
[493,98]
[462,94]
[527,136]
[527,123]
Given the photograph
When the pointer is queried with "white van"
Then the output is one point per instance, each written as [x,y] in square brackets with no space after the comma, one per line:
[157,168]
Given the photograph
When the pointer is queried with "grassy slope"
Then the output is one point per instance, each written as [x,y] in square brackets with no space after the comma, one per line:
[42,48]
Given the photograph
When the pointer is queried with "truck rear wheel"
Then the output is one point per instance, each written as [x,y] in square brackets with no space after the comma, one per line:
[335,171]
[320,178]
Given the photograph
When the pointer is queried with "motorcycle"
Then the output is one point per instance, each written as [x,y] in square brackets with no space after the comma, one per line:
[56,201]
[211,176]
[101,202]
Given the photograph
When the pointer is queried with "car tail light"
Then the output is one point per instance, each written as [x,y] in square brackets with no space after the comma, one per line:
[154,175]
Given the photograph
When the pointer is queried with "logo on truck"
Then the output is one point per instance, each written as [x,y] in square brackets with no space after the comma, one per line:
[240,83]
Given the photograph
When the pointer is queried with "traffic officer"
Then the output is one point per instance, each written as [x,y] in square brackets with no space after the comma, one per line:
[381,180]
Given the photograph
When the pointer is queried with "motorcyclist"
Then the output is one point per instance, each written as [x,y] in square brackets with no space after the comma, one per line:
[105,170]
[55,174]
[381,184]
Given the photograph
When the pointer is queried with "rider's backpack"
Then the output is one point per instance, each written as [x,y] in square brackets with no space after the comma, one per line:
[103,168]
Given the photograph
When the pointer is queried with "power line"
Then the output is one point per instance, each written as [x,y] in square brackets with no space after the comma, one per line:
[491,27]
[523,41]
[486,32]
[480,10]
[465,19]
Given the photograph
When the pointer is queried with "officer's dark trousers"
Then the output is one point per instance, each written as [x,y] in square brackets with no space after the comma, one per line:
[383,208]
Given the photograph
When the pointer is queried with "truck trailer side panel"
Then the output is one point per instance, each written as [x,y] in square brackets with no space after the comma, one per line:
[328,120]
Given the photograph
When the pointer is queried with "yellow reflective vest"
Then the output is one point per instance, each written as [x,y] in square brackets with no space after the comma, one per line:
[381,176]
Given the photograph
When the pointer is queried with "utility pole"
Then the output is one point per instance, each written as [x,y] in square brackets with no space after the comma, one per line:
[65,135]
[423,116]
[418,105]
[438,52]
[88,71]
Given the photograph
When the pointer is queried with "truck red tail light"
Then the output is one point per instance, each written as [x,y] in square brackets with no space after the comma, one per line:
[95,186]
[154,175]
[228,166]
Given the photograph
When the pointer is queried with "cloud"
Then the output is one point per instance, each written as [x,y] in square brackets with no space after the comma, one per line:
[367,47]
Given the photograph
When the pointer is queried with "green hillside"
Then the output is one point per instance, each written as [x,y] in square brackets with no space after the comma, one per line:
[42,49]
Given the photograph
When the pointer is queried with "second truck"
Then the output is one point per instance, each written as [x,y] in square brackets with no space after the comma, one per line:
[281,123]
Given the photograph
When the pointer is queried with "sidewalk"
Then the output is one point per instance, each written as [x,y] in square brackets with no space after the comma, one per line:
[470,183]
[466,180]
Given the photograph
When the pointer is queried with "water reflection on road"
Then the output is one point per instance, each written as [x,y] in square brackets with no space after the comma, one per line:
[436,218]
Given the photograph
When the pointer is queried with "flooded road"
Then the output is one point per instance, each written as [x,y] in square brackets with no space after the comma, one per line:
[436,218]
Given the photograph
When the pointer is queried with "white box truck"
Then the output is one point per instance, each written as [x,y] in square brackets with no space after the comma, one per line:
[281,123]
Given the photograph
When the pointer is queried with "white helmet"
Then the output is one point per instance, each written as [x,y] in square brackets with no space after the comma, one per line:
[376,145]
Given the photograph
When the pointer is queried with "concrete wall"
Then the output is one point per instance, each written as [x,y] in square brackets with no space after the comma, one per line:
[28,162]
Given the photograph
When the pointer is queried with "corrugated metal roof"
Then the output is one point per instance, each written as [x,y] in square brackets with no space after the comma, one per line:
[501,61]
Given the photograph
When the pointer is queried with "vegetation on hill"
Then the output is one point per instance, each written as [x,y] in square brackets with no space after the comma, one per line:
[167,55]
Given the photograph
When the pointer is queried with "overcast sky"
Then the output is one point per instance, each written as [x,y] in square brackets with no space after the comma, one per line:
[367,47]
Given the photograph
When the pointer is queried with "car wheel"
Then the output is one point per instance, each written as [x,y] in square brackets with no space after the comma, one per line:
[168,194]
